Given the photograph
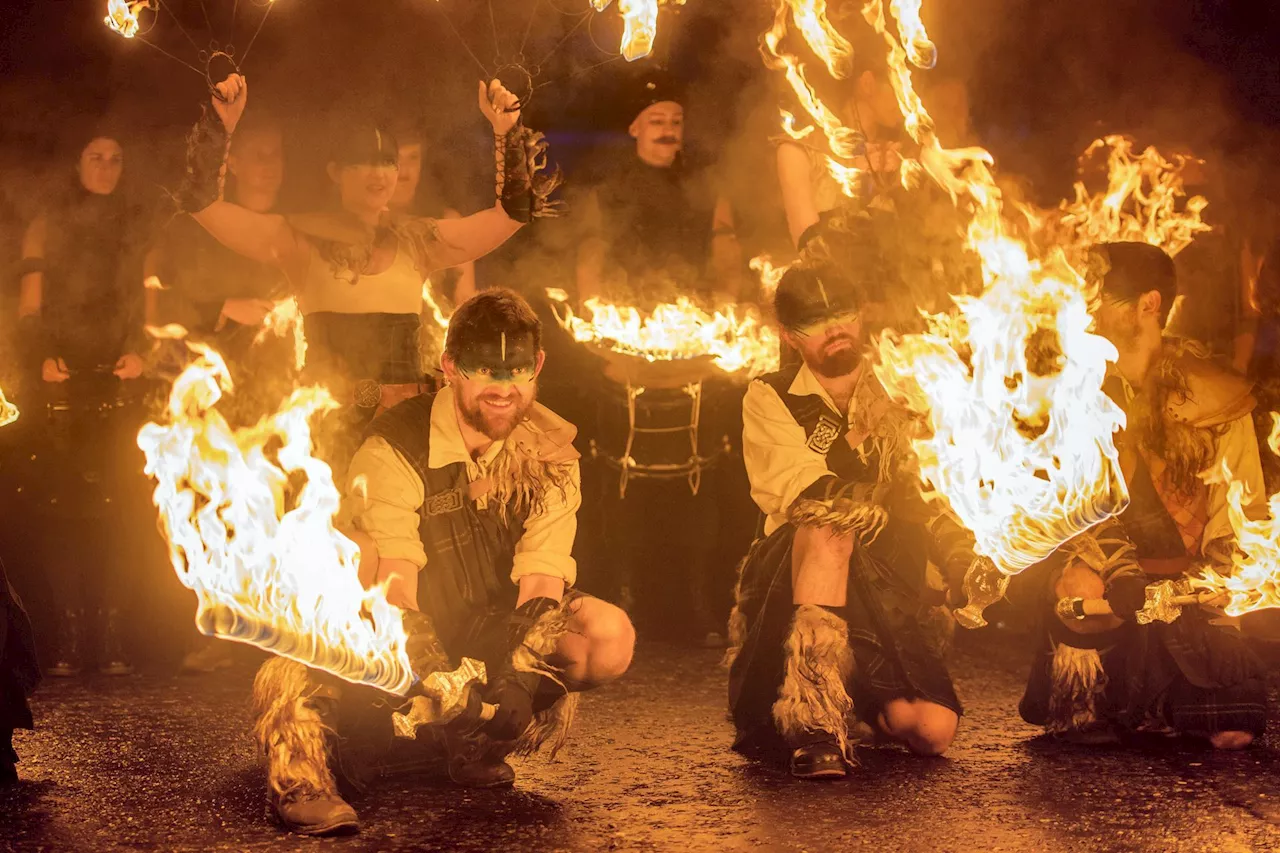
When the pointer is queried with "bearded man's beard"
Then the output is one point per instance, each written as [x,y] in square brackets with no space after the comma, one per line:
[494,425]
[832,365]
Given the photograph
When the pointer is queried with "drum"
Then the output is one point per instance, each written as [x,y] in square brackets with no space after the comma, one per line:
[662,429]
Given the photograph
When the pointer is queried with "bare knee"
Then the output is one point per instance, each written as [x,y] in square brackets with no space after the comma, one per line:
[611,640]
[1079,581]
[1230,740]
[926,728]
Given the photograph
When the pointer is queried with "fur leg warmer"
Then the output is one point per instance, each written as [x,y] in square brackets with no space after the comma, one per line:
[1078,683]
[290,729]
[814,695]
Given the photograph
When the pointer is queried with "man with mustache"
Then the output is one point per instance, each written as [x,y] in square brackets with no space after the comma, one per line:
[653,230]
[1098,676]
[831,639]
[467,500]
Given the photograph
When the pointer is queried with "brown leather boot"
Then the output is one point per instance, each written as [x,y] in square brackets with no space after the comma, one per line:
[476,761]
[306,811]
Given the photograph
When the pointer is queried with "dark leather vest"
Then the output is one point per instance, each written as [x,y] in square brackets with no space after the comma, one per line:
[469,550]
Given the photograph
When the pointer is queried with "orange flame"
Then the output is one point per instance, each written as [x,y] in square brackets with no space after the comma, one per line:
[8,411]
[266,569]
[1254,582]
[736,337]
[1144,201]
[284,318]
[770,275]
[122,15]
[810,18]
[639,24]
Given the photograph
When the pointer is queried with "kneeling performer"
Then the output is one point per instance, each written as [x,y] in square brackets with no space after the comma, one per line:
[832,624]
[470,496]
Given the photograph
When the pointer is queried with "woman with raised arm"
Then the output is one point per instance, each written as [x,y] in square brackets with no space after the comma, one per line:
[358,271]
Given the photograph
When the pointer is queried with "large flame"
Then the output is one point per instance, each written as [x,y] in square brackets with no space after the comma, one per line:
[1022,434]
[1254,582]
[735,336]
[1020,441]
[8,411]
[1144,202]
[249,518]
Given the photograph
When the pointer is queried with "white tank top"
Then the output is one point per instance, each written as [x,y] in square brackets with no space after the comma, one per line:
[396,290]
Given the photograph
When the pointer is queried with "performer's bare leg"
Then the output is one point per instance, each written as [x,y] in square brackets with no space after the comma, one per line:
[820,566]
[598,646]
[927,728]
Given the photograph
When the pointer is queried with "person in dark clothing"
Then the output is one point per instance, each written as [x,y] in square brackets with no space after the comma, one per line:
[80,312]
[651,229]
[19,675]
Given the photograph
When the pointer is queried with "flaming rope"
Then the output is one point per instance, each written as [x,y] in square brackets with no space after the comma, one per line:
[1254,583]
[735,336]
[810,17]
[8,411]
[279,578]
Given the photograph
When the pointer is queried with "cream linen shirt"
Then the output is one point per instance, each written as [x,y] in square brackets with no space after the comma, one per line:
[385,493]
[780,464]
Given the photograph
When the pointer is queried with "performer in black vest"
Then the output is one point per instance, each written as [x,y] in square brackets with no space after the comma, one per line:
[654,229]
[833,630]
[469,497]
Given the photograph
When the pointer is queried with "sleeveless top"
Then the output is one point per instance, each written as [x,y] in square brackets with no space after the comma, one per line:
[366,330]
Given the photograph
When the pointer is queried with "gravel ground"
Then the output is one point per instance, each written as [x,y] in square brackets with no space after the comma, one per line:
[154,762]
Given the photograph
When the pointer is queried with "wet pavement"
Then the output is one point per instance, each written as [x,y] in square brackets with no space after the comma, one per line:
[165,763]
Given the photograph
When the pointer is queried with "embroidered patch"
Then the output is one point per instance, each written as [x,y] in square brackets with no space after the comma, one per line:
[824,435]
[445,502]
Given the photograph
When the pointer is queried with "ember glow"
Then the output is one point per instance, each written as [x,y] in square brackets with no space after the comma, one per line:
[1010,385]
[1254,583]
[1144,202]
[8,411]
[735,336]
[259,550]
[122,16]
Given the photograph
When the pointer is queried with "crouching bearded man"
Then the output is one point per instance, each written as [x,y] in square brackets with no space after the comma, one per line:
[834,629]
[468,497]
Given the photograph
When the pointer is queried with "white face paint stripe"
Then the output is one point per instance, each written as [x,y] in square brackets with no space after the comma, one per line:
[823,291]
[504,346]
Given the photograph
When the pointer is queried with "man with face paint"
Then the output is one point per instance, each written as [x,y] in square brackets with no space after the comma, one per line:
[651,229]
[467,499]
[358,271]
[831,634]
[1097,676]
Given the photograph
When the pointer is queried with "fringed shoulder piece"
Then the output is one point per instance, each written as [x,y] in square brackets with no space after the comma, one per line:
[537,457]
